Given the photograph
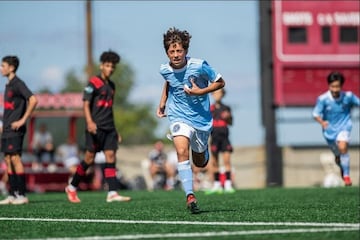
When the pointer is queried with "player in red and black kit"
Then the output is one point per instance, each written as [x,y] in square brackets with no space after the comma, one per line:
[101,134]
[220,142]
[19,103]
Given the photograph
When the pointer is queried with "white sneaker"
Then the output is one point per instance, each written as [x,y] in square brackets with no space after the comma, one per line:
[8,200]
[115,197]
[19,200]
[214,190]
[229,190]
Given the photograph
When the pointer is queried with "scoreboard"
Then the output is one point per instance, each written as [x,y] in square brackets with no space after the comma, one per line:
[309,40]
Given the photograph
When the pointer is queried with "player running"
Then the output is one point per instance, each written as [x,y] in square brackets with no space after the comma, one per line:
[332,111]
[185,98]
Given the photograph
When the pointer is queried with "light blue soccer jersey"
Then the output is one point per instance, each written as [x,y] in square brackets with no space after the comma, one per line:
[181,107]
[336,112]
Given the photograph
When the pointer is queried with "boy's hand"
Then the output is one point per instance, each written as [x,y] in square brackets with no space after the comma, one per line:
[324,124]
[194,90]
[16,125]
[160,112]
[226,115]
[91,127]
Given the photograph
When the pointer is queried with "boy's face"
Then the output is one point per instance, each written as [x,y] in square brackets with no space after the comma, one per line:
[177,55]
[107,69]
[6,69]
[335,88]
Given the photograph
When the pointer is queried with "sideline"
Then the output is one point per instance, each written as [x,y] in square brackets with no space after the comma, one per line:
[313,224]
[205,234]
[320,227]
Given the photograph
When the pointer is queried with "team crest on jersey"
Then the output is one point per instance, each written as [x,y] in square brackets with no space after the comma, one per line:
[89,89]
[176,128]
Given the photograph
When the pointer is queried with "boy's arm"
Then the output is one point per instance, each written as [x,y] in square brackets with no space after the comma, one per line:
[195,90]
[356,100]
[91,126]
[164,95]
[229,119]
[317,112]
[324,124]
[32,102]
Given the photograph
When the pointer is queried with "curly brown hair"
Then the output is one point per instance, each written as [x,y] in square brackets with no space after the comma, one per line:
[110,56]
[174,35]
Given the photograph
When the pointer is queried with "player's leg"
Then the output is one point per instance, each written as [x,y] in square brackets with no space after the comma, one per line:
[214,167]
[80,172]
[82,167]
[228,185]
[20,178]
[13,148]
[342,143]
[110,178]
[181,144]
[181,133]
[4,179]
[110,146]
[12,180]
[334,148]
[227,149]
[200,149]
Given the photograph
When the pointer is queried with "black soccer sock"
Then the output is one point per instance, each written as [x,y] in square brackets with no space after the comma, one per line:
[21,183]
[79,174]
[13,183]
[228,175]
[110,176]
[216,176]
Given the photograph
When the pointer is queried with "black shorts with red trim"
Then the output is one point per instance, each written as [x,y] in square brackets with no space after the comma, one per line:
[102,140]
[11,145]
[220,142]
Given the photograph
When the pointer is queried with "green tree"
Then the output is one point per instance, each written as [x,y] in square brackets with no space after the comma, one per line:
[72,83]
[44,90]
[136,123]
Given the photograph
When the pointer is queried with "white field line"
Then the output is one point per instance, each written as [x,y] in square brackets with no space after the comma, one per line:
[313,224]
[206,234]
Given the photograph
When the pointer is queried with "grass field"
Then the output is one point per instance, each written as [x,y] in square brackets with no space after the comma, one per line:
[273,213]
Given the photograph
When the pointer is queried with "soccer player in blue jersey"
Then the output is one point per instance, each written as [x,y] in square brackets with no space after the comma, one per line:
[19,103]
[185,102]
[332,111]
[100,134]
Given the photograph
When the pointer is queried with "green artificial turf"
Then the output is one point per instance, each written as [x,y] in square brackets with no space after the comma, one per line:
[272,213]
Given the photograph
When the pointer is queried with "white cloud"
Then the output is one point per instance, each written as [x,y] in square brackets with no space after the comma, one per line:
[52,77]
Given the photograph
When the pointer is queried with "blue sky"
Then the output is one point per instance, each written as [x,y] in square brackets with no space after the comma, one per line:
[49,38]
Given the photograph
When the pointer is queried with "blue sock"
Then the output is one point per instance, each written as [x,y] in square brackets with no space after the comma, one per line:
[186,176]
[345,163]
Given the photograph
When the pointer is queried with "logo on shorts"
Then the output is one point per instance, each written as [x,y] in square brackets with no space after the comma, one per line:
[176,128]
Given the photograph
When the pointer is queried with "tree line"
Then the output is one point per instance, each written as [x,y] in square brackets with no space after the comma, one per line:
[136,123]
